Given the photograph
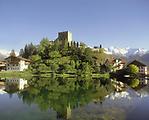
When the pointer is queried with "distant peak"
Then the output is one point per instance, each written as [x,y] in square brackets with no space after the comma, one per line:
[126,51]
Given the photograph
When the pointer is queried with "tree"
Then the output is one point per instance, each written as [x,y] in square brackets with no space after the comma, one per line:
[133,69]
[44,48]
[86,69]
[134,83]
[54,54]
[21,52]
[28,51]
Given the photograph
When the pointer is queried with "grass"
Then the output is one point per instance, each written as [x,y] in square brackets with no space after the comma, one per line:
[106,75]
[28,75]
[15,74]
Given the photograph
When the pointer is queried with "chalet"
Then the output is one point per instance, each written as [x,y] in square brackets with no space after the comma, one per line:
[14,63]
[2,65]
[116,63]
[142,67]
[119,63]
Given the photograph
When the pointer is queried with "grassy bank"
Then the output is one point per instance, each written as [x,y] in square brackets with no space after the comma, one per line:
[64,75]
[28,75]
[106,75]
[15,74]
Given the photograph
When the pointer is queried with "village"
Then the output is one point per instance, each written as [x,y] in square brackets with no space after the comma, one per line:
[18,63]
[14,63]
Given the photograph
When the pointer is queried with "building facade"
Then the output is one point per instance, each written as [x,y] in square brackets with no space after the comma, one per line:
[116,63]
[2,65]
[119,63]
[65,37]
[142,67]
[14,63]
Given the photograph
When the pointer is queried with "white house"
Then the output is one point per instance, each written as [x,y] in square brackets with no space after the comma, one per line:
[2,65]
[117,63]
[14,63]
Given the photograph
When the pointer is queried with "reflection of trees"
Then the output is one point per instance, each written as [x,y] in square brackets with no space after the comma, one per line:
[11,89]
[62,95]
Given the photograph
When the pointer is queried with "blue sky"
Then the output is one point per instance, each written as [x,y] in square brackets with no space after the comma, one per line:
[119,23]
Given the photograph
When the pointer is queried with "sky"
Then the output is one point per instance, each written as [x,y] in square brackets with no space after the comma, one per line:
[119,23]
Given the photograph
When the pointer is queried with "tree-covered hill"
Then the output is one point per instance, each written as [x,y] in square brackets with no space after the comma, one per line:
[71,58]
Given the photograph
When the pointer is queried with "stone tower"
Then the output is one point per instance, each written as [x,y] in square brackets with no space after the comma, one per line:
[65,37]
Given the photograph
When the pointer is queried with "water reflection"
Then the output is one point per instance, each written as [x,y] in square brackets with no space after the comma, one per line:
[144,80]
[12,85]
[17,83]
[2,87]
[63,95]
[75,99]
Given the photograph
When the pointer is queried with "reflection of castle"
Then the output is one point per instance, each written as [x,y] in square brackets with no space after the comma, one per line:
[65,114]
[20,83]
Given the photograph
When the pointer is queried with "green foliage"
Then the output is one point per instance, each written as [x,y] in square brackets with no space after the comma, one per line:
[15,74]
[133,69]
[56,57]
[134,83]
[100,56]
[28,51]
[86,68]
[63,94]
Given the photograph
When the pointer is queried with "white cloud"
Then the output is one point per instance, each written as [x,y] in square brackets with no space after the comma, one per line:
[6,52]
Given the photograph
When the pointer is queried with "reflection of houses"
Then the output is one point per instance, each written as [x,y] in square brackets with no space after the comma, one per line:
[119,95]
[19,83]
[2,87]
[2,65]
[14,63]
[143,80]
[116,63]
[142,67]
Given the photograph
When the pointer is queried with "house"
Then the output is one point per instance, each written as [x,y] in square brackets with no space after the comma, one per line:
[96,48]
[2,65]
[119,63]
[116,63]
[142,67]
[14,63]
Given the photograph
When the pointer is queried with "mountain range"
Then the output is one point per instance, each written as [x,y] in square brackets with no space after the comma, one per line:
[130,54]
[126,52]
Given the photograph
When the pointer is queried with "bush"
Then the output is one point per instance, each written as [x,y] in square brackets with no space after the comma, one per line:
[134,83]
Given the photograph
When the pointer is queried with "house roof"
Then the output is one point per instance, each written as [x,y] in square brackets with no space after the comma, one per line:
[136,62]
[15,59]
[112,61]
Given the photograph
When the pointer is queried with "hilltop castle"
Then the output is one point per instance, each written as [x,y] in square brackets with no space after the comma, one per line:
[64,38]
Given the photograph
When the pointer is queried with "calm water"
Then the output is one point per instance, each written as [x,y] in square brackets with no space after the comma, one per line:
[44,99]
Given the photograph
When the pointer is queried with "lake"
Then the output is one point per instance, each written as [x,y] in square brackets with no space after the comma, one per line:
[60,99]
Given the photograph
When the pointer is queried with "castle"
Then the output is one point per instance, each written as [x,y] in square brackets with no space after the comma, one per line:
[65,38]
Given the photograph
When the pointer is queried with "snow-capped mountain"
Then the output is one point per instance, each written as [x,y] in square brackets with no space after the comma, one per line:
[4,54]
[127,52]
